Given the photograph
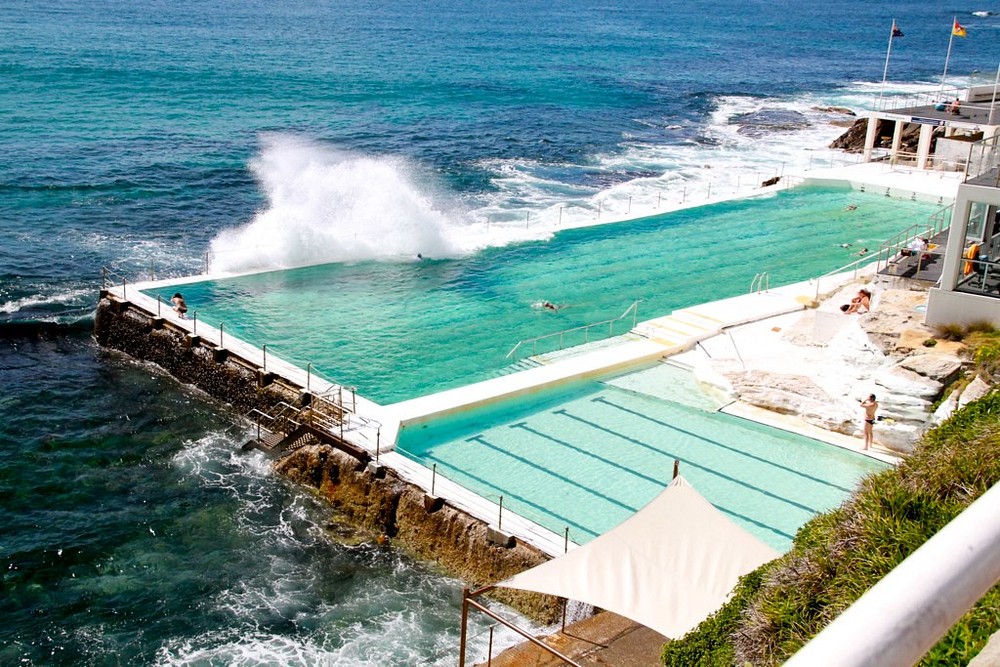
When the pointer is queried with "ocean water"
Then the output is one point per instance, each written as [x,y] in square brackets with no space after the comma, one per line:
[144,136]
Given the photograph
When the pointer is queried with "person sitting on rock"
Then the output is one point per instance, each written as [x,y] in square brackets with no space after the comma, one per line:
[862,303]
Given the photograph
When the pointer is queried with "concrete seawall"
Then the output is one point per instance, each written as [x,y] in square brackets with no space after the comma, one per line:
[374,498]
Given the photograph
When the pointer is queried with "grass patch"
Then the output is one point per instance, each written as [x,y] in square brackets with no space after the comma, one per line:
[839,555]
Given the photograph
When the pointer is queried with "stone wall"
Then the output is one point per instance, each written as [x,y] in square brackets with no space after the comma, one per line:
[386,505]
[395,509]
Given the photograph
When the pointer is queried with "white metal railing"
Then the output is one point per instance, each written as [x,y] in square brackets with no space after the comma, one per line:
[984,157]
[762,282]
[634,309]
[937,223]
[902,616]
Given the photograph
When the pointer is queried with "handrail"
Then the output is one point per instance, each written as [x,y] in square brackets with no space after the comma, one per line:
[936,223]
[634,309]
[902,616]
[762,281]
[843,269]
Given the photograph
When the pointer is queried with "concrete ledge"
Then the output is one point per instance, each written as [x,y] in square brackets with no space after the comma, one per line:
[498,537]
[432,503]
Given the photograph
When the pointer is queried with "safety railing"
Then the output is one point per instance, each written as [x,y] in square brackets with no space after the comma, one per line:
[340,401]
[282,421]
[920,99]
[902,158]
[890,249]
[901,617]
[984,162]
[585,329]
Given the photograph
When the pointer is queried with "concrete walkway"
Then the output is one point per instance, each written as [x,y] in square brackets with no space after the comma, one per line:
[603,639]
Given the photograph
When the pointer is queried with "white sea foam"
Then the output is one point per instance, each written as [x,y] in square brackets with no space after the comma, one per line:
[36,300]
[330,205]
[327,205]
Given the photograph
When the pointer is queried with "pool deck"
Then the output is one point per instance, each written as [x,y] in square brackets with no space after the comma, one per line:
[376,427]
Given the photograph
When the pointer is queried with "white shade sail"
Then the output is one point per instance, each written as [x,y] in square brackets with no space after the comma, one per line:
[668,566]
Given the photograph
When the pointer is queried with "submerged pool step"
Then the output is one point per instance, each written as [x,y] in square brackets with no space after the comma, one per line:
[520,365]
[672,331]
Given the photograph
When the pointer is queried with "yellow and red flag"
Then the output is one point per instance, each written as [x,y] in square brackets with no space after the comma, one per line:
[958,30]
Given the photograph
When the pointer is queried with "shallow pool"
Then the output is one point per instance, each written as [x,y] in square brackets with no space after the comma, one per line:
[397,330]
[589,456]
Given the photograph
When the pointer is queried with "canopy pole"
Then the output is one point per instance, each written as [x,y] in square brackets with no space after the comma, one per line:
[677,466]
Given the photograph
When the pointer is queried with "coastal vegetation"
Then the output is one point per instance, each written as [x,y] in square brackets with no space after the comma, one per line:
[838,555]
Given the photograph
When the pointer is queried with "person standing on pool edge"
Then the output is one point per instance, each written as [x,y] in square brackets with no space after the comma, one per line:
[870,406]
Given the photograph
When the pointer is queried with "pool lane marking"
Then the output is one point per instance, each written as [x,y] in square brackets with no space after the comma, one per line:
[689,462]
[658,482]
[507,494]
[569,482]
[602,399]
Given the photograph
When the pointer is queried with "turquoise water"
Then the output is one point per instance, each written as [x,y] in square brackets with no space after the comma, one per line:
[395,329]
[589,457]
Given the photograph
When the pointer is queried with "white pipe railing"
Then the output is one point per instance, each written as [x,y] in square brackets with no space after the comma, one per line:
[902,616]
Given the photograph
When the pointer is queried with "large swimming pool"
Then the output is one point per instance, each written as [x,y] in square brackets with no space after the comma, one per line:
[588,456]
[397,330]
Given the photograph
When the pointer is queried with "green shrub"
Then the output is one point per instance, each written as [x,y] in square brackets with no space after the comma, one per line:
[980,326]
[950,331]
[839,555]
[709,644]
[930,342]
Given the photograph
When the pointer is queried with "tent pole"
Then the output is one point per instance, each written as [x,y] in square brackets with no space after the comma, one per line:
[677,466]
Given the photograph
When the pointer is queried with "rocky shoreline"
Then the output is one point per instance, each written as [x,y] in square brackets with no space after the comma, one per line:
[372,499]
[818,364]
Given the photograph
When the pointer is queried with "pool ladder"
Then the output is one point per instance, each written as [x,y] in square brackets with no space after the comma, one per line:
[761,282]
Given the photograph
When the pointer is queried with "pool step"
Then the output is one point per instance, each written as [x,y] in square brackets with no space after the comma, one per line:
[520,365]
[676,329]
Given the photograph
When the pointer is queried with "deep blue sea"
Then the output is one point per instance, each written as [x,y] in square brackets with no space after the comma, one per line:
[144,136]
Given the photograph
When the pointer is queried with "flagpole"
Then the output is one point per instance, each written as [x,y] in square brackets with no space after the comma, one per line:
[951,38]
[993,102]
[885,71]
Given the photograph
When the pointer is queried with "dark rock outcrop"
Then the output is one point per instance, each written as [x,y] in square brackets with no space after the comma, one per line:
[853,141]
[383,504]
[395,509]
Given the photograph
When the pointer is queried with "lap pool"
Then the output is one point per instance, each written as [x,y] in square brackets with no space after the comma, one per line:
[399,330]
[589,456]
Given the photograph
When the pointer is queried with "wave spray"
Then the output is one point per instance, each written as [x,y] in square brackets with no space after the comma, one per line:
[328,205]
